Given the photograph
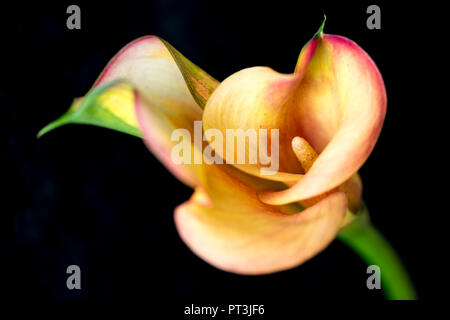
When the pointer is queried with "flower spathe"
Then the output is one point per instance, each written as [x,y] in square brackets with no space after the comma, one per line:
[329,113]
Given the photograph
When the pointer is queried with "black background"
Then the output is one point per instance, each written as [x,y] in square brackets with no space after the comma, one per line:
[97,198]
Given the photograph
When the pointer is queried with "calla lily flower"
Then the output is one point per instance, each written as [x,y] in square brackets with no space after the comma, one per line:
[329,113]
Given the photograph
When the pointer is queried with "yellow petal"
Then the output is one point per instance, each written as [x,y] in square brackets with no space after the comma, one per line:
[352,187]
[149,67]
[353,190]
[227,226]
[254,99]
[174,89]
[157,127]
[164,97]
[340,108]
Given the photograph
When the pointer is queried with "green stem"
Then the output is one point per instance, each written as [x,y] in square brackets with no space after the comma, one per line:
[374,249]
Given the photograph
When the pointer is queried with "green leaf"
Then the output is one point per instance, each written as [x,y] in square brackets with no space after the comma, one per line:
[94,110]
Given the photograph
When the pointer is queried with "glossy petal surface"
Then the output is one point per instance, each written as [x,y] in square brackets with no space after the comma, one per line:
[228,226]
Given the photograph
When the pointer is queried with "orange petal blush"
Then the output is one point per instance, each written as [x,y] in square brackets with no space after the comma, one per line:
[340,109]
[238,233]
